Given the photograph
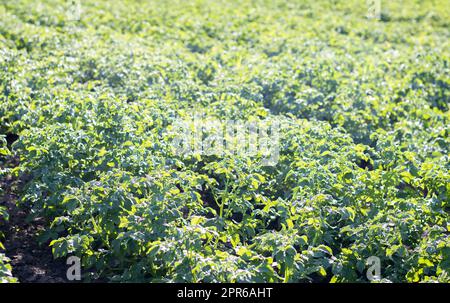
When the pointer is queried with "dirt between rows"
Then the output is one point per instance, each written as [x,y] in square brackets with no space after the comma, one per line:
[31,262]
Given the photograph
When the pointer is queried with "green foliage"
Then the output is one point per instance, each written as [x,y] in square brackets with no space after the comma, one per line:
[5,267]
[364,149]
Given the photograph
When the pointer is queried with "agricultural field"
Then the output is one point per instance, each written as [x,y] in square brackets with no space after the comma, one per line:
[103,105]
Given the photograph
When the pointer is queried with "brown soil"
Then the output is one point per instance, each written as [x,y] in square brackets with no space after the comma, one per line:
[30,261]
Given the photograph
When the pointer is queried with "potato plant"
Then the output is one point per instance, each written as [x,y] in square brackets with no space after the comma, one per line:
[5,267]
